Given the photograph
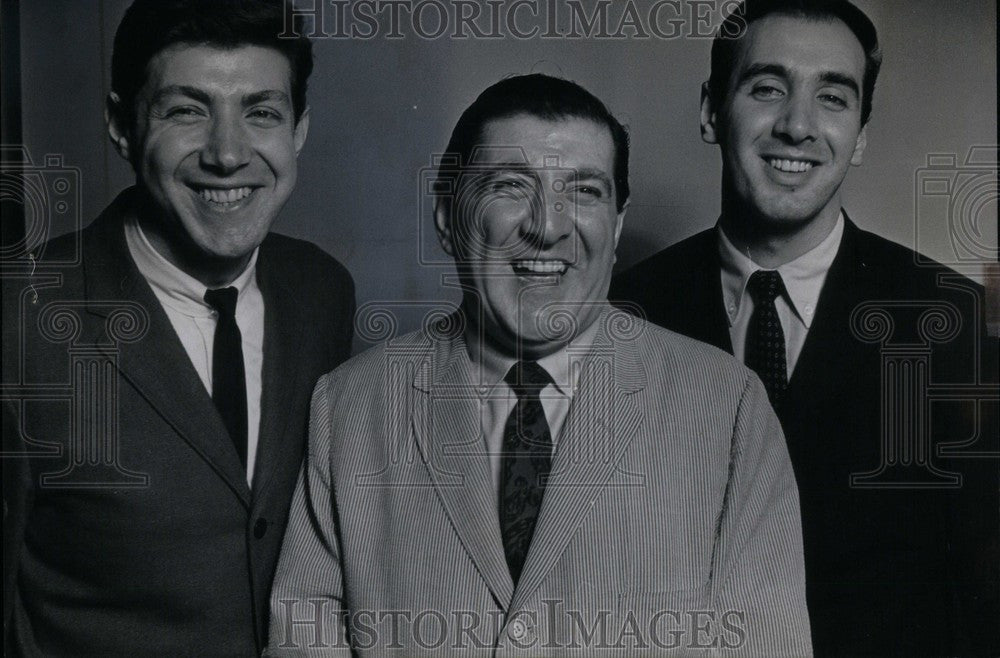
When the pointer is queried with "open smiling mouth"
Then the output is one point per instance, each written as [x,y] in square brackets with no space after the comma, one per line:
[790,166]
[539,267]
[223,198]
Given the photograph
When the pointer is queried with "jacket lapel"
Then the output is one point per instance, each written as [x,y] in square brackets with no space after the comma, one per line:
[282,374]
[706,318]
[446,425]
[833,310]
[156,364]
[602,422]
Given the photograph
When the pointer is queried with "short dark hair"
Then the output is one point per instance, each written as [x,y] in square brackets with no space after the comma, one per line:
[736,24]
[149,26]
[545,97]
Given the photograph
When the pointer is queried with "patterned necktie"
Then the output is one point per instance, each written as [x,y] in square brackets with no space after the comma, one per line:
[765,347]
[229,388]
[527,460]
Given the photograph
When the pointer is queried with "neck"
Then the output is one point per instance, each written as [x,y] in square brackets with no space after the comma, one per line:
[172,242]
[492,344]
[771,243]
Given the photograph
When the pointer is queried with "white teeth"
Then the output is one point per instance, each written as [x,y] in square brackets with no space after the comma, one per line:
[216,195]
[541,266]
[796,166]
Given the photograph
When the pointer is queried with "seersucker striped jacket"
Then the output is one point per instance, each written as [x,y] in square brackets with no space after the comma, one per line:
[670,524]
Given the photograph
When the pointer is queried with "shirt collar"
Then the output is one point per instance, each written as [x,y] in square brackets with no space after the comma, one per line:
[172,285]
[803,277]
[495,366]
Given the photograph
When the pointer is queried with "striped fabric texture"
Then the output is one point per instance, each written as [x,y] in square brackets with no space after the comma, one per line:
[670,524]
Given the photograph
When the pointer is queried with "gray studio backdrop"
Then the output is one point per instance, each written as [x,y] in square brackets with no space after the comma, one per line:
[382,107]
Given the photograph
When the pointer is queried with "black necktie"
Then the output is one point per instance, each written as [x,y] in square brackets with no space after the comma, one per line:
[765,347]
[229,388]
[527,460]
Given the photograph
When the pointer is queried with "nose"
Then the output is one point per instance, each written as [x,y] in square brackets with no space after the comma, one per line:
[227,146]
[797,122]
[551,219]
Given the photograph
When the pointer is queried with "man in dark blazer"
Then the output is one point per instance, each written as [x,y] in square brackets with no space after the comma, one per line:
[900,530]
[536,473]
[158,364]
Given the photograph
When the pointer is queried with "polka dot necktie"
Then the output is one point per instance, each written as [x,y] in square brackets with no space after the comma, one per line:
[527,460]
[229,388]
[765,346]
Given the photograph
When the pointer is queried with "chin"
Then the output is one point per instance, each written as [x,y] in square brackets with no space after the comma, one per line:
[787,217]
[534,347]
[232,247]
[225,256]
[529,344]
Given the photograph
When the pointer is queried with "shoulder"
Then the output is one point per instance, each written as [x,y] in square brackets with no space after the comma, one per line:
[906,272]
[302,260]
[693,357]
[675,361]
[676,256]
[696,389]
[63,256]
[96,240]
[291,266]
[685,261]
[365,371]
[65,248]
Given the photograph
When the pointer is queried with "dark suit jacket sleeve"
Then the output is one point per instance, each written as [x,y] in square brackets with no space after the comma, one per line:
[16,499]
[309,586]
[329,289]
[344,332]
[16,474]
[758,568]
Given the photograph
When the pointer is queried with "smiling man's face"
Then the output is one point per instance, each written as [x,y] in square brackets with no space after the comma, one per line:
[534,229]
[790,124]
[214,146]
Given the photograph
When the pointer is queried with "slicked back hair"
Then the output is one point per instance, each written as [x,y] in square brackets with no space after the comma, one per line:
[545,97]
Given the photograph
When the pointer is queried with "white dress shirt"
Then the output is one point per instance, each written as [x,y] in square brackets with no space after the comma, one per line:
[497,399]
[803,279]
[183,299]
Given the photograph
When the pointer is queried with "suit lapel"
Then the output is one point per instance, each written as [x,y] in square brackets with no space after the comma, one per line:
[156,364]
[281,375]
[600,427]
[706,318]
[836,301]
[446,425]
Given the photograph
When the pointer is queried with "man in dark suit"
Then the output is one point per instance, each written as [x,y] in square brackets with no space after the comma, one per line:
[848,333]
[158,364]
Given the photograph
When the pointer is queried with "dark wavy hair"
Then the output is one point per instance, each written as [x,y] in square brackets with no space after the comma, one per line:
[149,26]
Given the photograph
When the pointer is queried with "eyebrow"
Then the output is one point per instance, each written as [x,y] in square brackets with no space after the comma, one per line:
[828,77]
[202,96]
[180,90]
[587,173]
[583,173]
[266,95]
[834,78]
[498,167]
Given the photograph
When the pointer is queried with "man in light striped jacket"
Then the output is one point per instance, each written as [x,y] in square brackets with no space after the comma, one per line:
[536,473]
